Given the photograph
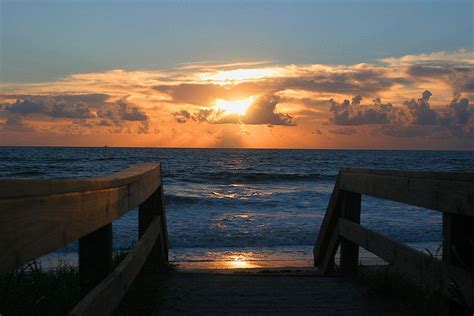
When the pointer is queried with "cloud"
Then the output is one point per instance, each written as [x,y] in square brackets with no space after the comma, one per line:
[130,112]
[415,118]
[345,113]
[343,131]
[52,106]
[261,112]
[460,118]
[420,110]
[404,131]
[455,69]
[182,116]
[85,111]
[15,124]
[333,98]
[360,79]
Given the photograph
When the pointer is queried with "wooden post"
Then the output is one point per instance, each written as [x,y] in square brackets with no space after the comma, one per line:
[95,257]
[458,240]
[164,228]
[147,211]
[350,251]
[154,206]
[458,248]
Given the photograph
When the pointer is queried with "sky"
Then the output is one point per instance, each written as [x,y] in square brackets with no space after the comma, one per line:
[252,74]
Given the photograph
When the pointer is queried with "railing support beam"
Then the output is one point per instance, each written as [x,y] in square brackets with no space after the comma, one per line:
[349,250]
[147,211]
[160,200]
[95,257]
[458,240]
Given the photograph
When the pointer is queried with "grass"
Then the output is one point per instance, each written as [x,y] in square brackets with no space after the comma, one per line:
[32,290]
[384,281]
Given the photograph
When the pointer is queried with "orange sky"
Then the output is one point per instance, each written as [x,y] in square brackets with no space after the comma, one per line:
[411,102]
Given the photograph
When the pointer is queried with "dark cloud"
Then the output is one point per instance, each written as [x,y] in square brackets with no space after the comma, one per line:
[420,110]
[78,110]
[346,114]
[182,116]
[83,110]
[459,118]
[50,106]
[61,106]
[416,118]
[15,123]
[428,71]
[130,112]
[263,111]
[356,100]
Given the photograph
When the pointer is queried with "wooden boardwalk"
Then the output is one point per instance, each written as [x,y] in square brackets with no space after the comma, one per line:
[188,293]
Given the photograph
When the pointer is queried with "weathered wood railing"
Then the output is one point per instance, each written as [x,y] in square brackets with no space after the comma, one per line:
[39,216]
[451,193]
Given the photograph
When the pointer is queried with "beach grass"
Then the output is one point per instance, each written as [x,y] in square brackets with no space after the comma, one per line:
[425,300]
[32,290]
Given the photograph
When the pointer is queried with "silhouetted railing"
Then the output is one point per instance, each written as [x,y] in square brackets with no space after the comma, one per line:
[451,193]
[39,216]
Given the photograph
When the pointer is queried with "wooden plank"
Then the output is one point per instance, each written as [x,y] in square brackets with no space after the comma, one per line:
[433,175]
[146,213]
[15,188]
[326,265]
[437,193]
[164,248]
[36,225]
[95,257]
[417,265]
[104,298]
[349,250]
[458,240]
[329,224]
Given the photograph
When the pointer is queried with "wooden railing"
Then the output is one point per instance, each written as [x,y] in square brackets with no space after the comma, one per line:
[39,216]
[451,193]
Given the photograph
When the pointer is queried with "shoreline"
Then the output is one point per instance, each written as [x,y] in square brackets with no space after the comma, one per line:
[188,259]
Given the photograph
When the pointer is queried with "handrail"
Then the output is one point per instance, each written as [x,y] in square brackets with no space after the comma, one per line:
[38,216]
[451,193]
[13,188]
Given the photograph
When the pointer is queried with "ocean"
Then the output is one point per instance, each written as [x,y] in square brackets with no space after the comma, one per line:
[257,206]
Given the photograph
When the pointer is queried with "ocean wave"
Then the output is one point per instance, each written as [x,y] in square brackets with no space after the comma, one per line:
[256,177]
[30,173]
[216,199]
[179,199]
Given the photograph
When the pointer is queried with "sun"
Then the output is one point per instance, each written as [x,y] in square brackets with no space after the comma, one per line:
[234,107]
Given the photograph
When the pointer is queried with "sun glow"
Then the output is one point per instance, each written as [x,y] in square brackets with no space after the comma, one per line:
[241,74]
[234,107]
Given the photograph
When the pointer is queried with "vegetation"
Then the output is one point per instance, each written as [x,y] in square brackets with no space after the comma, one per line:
[382,280]
[32,290]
